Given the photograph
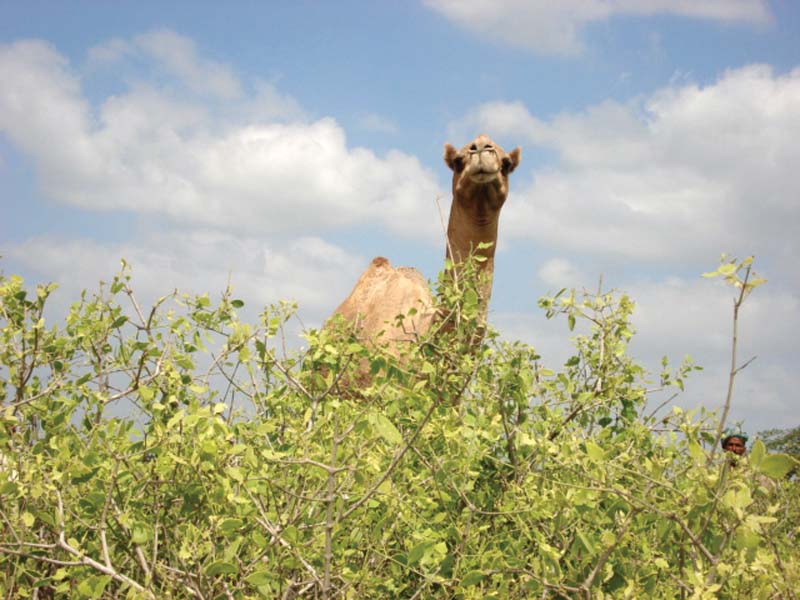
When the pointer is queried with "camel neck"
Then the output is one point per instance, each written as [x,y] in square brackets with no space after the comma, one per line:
[467,229]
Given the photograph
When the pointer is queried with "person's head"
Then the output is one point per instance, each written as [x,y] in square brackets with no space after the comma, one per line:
[735,442]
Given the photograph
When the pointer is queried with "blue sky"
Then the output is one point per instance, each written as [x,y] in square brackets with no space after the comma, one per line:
[283,145]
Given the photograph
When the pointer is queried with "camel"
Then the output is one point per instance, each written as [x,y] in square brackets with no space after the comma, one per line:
[480,188]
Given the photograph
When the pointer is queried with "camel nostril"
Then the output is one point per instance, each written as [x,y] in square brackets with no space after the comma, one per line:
[473,147]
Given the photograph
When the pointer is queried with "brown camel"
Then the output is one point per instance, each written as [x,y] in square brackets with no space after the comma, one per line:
[480,187]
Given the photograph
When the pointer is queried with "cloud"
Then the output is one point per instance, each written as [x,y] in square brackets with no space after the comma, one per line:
[556,27]
[150,150]
[309,270]
[178,56]
[681,175]
[110,52]
[377,123]
[558,273]
[173,55]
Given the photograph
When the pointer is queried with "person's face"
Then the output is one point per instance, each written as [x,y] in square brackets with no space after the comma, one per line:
[735,445]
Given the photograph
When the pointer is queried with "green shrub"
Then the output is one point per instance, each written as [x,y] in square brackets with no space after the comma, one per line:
[178,452]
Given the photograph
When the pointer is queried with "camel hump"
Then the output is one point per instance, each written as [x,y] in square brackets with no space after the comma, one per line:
[383,292]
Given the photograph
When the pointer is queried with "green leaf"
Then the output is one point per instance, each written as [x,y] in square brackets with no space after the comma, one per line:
[386,429]
[175,419]
[229,526]
[696,451]
[738,498]
[746,538]
[471,578]
[235,473]
[586,543]
[93,587]
[661,563]
[28,519]
[8,488]
[290,534]
[470,299]
[418,551]
[259,578]
[237,303]
[141,534]
[594,451]
[221,567]
[757,453]
[776,466]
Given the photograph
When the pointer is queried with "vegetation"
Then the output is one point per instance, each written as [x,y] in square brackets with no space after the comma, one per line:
[786,441]
[174,451]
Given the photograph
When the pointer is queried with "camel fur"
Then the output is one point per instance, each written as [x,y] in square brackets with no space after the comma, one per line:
[480,188]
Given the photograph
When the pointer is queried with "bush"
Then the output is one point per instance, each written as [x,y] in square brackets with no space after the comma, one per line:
[178,452]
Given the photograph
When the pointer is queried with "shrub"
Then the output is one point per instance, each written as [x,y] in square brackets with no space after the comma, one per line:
[178,452]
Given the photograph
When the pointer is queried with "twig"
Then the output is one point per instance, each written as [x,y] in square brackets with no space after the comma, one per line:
[737,303]
[397,458]
[660,406]
[85,560]
[104,515]
[587,583]
[329,520]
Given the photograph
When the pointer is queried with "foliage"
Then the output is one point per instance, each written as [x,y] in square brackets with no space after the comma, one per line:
[178,452]
[785,441]
[782,440]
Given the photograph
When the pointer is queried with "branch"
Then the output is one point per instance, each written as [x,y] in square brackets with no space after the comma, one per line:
[399,455]
[276,536]
[90,562]
[737,303]
[587,583]
[104,516]
[329,518]
[745,365]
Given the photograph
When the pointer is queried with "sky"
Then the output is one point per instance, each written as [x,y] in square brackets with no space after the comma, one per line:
[280,146]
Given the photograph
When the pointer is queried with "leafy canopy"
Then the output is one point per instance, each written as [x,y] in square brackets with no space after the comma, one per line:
[175,451]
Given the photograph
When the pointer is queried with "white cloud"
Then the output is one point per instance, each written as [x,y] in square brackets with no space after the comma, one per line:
[178,56]
[110,52]
[377,123]
[148,151]
[559,273]
[315,273]
[556,27]
[268,104]
[687,173]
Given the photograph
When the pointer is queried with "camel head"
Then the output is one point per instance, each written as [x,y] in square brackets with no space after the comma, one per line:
[480,171]
[480,188]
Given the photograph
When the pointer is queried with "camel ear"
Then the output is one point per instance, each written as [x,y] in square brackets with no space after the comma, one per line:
[451,157]
[513,158]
